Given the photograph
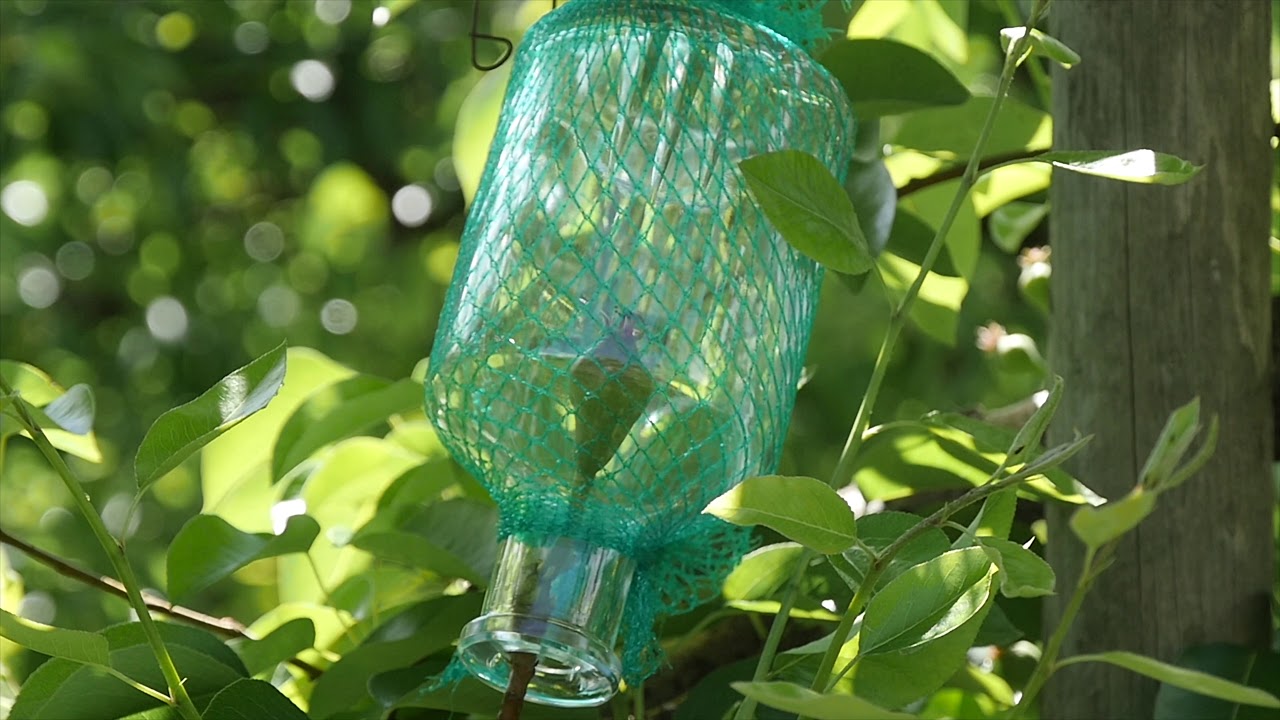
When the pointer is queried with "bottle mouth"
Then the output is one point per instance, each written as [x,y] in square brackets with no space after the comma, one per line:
[560,601]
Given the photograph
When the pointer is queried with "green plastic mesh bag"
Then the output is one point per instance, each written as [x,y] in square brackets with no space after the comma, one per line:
[625,331]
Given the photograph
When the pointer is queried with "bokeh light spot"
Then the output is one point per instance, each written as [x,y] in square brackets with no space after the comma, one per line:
[75,260]
[339,316]
[251,37]
[312,79]
[381,15]
[92,183]
[25,202]
[264,241]
[412,205]
[38,286]
[333,12]
[167,319]
[175,31]
[26,119]
[278,305]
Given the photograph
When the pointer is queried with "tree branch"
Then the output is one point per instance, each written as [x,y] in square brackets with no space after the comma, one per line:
[955,172]
[226,626]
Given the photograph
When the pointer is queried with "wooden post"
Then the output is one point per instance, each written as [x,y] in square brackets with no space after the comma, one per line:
[1160,294]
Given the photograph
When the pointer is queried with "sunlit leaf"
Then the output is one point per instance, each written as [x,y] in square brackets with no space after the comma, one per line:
[927,601]
[339,411]
[69,428]
[803,509]
[936,310]
[76,645]
[178,433]
[1097,526]
[1040,43]
[809,208]
[1244,665]
[1135,166]
[803,701]
[208,549]
[1198,682]
[763,572]
[953,131]
[886,77]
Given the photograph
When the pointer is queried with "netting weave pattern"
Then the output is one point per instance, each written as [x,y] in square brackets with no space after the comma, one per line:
[624,332]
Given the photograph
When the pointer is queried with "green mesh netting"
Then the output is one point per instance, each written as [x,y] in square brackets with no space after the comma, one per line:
[624,332]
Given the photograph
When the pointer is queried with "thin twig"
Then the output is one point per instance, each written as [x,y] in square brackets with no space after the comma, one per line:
[522,668]
[225,626]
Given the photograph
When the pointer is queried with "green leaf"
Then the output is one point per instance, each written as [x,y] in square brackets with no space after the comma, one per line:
[408,687]
[609,394]
[803,509]
[1135,166]
[936,310]
[1041,44]
[1161,472]
[61,689]
[178,433]
[809,208]
[74,407]
[803,701]
[1022,572]
[339,411]
[870,187]
[1245,665]
[76,645]
[1011,224]
[1195,681]
[894,679]
[763,572]
[879,530]
[250,699]
[953,131]
[1097,526]
[401,640]
[208,549]
[927,601]
[885,77]
[453,538]
[1026,443]
[73,410]
[278,646]
[910,239]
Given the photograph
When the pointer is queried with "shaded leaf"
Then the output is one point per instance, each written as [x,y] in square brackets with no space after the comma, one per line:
[410,635]
[250,699]
[1010,224]
[73,410]
[1135,166]
[870,187]
[76,645]
[453,538]
[1026,443]
[879,530]
[927,601]
[809,208]
[1198,682]
[64,690]
[178,433]
[803,701]
[1022,572]
[885,77]
[803,509]
[339,411]
[208,549]
[279,645]
[910,239]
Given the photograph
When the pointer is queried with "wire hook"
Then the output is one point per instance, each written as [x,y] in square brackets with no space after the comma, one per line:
[507,46]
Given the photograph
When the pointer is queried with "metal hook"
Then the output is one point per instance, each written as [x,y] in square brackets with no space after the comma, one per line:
[507,47]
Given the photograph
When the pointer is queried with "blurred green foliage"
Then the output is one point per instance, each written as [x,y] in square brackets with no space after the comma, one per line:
[185,184]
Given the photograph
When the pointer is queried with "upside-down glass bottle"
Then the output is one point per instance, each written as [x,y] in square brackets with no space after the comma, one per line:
[625,331]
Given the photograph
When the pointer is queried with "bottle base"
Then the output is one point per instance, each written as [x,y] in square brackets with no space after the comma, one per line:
[572,669]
